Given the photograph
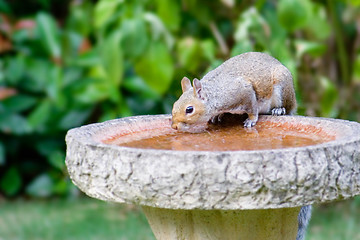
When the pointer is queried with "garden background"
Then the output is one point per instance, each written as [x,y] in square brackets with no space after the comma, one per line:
[66,63]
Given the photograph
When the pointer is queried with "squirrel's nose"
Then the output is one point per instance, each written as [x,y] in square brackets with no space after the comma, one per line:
[174,126]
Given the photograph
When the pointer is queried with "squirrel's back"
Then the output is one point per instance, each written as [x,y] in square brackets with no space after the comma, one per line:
[255,67]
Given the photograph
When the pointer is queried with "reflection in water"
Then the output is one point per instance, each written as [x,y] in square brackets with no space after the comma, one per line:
[234,137]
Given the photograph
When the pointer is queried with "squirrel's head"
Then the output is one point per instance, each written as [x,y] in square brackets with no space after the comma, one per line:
[189,112]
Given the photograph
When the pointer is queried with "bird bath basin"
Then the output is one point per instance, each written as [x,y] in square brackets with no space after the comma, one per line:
[200,186]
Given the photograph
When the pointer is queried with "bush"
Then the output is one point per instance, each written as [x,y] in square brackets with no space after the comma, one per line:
[68,63]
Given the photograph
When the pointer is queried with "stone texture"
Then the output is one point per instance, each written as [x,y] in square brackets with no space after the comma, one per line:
[263,179]
[269,224]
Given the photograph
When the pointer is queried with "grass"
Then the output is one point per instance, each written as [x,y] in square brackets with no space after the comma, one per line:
[84,219]
[91,219]
[336,221]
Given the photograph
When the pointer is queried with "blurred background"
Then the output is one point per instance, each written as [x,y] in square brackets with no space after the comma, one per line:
[66,63]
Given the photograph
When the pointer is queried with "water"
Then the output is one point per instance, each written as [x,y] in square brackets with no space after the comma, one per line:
[235,137]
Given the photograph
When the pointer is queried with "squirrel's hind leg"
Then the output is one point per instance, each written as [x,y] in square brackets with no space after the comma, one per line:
[277,107]
[284,94]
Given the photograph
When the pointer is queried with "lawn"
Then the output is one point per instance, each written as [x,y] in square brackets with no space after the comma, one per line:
[82,219]
[91,219]
[336,221]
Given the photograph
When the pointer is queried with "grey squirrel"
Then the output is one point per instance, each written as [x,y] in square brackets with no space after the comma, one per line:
[253,83]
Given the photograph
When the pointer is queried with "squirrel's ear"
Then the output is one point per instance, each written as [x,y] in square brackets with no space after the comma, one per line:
[185,84]
[198,90]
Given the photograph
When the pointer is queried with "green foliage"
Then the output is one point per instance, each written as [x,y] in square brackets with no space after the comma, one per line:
[48,35]
[68,63]
[104,10]
[11,182]
[169,12]
[294,14]
[156,67]
[2,154]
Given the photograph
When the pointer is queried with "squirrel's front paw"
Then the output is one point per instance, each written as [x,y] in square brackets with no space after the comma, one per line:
[249,123]
[216,119]
[278,111]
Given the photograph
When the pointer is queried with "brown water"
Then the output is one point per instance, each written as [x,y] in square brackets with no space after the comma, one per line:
[232,138]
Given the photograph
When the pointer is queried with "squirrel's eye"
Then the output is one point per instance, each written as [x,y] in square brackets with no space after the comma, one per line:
[189,109]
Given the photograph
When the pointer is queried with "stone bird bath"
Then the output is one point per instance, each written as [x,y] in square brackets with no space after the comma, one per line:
[204,194]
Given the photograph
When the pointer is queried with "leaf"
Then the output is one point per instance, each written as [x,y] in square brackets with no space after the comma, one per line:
[134,37]
[108,114]
[54,84]
[72,45]
[78,19]
[104,9]
[197,8]
[18,103]
[74,118]
[208,49]
[42,186]
[156,67]
[242,47]
[189,53]
[169,12]
[124,109]
[356,69]
[11,182]
[14,124]
[158,30]
[354,3]
[112,60]
[277,32]
[318,25]
[71,75]
[91,91]
[251,27]
[214,64]
[137,86]
[57,159]
[192,53]
[40,114]
[37,72]
[141,106]
[49,34]
[14,70]
[65,187]
[259,4]
[2,154]
[329,97]
[313,48]
[4,7]
[88,59]
[294,14]
[48,145]
[110,111]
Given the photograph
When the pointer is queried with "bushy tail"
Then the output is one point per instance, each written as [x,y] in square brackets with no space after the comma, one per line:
[303,220]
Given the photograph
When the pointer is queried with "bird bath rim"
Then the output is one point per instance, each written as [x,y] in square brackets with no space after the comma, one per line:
[225,180]
[338,137]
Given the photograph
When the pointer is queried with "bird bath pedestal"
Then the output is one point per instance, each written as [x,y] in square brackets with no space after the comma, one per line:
[203,194]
